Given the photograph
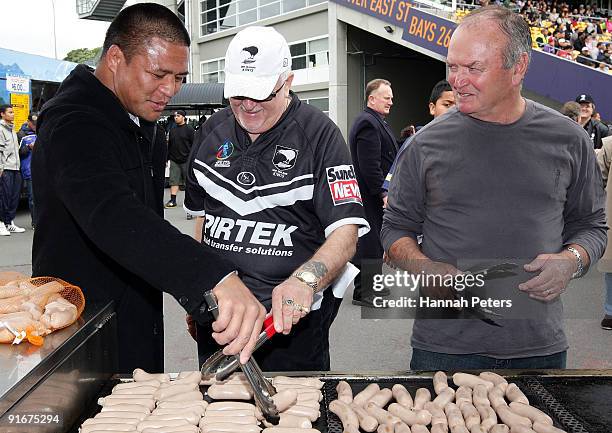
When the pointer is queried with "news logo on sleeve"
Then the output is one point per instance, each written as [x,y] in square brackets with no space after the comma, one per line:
[343,184]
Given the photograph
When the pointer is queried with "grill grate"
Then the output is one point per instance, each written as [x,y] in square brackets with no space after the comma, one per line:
[330,394]
[567,420]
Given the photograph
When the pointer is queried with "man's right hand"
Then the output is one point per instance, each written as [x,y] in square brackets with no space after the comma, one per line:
[240,320]
[437,272]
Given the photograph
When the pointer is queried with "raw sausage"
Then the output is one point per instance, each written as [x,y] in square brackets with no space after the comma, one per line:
[454,416]
[304,381]
[309,412]
[181,429]
[199,411]
[289,430]
[108,427]
[500,428]
[362,398]
[249,420]
[421,397]
[510,418]
[541,427]
[124,415]
[440,382]
[533,413]
[487,415]
[230,405]
[287,420]
[348,418]
[140,375]
[190,417]
[229,413]
[402,396]
[402,428]
[284,399]
[385,428]
[366,421]
[480,396]
[470,380]
[513,393]
[463,394]
[496,397]
[437,415]
[183,404]
[470,414]
[126,408]
[188,396]
[140,390]
[411,418]
[494,378]
[521,429]
[230,392]
[345,393]
[381,415]
[231,428]
[382,397]
[149,403]
[445,396]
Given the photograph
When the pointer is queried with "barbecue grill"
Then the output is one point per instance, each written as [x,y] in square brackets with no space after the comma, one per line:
[61,382]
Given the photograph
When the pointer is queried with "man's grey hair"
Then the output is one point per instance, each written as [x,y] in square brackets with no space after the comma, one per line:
[512,25]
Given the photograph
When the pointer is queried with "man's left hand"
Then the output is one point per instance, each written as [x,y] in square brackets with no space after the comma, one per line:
[291,301]
[556,271]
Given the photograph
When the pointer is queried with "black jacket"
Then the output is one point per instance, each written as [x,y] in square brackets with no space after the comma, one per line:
[373,149]
[596,131]
[99,199]
[180,141]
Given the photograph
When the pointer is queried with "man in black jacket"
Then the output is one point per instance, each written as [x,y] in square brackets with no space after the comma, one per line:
[373,149]
[596,129]
[180,140]
[99,195]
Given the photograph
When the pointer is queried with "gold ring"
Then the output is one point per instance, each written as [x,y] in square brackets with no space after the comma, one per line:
[301,308]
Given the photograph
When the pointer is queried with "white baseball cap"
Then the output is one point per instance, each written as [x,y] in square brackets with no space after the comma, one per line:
[254,60]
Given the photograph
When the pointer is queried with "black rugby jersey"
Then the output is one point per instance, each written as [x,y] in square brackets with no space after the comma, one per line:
[269,205]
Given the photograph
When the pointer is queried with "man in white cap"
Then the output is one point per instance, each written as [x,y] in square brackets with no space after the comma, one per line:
[272,178]
[596,129]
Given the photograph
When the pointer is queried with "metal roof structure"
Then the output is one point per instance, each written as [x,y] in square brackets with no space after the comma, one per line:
[198,96]
[100,10]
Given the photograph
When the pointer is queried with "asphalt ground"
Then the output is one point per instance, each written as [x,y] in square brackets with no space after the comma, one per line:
[357,344]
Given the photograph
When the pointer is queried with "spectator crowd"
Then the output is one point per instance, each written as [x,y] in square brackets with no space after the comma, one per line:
[580,33]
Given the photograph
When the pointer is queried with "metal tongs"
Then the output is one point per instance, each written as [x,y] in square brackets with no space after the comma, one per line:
[502,270]
[220,366]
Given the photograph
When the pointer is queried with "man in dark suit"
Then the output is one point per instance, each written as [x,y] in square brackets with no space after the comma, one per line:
[373,149]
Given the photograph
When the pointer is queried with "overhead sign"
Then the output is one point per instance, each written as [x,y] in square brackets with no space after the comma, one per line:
[429,31]
[17,84]
[420,28]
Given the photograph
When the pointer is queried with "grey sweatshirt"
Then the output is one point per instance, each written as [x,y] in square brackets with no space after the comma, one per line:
[483,193]
[9,147]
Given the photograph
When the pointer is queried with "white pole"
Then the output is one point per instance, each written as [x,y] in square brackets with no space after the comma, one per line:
[54,35]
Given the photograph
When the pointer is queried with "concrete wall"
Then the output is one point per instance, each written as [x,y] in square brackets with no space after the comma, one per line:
[412,76]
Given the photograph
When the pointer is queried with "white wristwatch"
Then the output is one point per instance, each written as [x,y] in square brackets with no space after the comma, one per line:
[580,271]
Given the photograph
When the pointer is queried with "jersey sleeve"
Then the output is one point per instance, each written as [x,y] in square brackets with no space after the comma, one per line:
[337,198]
[195,195]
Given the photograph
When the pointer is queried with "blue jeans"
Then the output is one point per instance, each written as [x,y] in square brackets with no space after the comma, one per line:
[28,185]
[433,361]
[608,294]
[10,189]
